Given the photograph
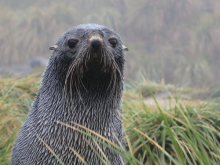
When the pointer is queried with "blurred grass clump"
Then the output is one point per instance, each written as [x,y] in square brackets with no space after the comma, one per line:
[175,40]
[16,97]
[167,130]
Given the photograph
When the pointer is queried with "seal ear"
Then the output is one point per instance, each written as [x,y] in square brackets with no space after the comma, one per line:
[124,48]
[53,47]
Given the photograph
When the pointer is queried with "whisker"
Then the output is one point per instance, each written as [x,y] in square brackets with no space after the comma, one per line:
[73,68]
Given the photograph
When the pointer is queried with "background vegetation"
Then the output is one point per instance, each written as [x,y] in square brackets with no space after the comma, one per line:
[173,40]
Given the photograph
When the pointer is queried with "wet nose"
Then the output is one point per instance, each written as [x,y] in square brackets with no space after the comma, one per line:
[95,43]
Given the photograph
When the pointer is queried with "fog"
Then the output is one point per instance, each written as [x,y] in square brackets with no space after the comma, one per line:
[175,41]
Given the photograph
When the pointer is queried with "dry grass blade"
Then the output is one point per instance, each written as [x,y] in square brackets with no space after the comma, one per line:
[48,147]
[100,150]
[156,144]
[79,156]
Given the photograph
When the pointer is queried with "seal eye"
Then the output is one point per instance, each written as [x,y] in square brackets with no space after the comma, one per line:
[72,43]
[113,42]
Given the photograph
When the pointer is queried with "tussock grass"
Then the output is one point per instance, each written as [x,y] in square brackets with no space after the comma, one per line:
[168,131]
[178,132]
[16,97]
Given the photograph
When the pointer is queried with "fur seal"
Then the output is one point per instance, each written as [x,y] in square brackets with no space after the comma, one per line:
[83,85]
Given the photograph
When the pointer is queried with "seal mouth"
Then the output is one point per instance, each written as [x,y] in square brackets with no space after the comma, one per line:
[95,58]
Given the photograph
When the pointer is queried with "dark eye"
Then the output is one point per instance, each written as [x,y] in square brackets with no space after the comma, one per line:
[113,42]
[72,43]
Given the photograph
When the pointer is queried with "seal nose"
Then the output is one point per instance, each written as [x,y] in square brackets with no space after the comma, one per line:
[95,43]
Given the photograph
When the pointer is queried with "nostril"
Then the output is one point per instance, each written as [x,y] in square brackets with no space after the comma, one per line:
[95,43]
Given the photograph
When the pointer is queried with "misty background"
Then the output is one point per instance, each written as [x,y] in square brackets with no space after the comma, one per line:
[174,41]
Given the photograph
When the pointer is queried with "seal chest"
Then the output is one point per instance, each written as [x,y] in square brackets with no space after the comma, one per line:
[82,86]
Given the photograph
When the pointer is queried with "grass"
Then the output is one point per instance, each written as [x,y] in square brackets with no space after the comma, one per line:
[16,97]
[175,132]
[172,130]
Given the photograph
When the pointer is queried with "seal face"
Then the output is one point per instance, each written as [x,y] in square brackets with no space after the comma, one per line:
[82,86]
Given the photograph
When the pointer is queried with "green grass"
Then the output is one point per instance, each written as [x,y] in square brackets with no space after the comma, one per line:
[169,130]
[172,132]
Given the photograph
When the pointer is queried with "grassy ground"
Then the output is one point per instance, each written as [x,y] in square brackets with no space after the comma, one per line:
[170,128]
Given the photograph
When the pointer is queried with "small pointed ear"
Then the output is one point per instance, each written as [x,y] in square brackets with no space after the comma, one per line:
[124,48]
[53,47]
